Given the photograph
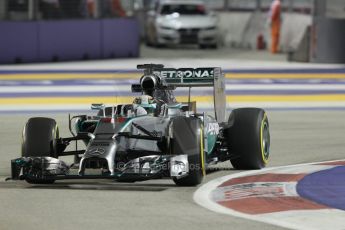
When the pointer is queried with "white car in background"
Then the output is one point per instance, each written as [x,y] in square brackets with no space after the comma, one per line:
[181,22]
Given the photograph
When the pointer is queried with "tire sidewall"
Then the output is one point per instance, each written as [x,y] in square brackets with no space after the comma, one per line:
[245,138]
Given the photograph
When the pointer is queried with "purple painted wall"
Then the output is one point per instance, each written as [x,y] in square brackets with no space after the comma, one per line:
[70,40]
[18,40]
[118,36]
[43,41]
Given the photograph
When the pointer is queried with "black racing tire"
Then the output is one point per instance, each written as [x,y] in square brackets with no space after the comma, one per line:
[159,45]
[248,138]
[39,140]
[210,46]
[188,139]
[214,46]
[148,44]
[202,46]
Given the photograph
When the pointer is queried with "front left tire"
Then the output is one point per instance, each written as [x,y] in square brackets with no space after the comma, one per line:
[39,140]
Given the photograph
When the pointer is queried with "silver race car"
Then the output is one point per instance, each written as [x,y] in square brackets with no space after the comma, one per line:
[154,137]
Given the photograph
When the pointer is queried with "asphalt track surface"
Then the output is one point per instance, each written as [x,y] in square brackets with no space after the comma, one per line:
[297,137]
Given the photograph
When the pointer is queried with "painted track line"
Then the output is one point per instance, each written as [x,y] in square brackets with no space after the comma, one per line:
[267,88]
[327,218]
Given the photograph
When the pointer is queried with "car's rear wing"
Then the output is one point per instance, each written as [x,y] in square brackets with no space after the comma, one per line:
[187,77]
[190,77]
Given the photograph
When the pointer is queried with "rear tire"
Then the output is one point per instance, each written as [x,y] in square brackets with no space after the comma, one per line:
[188,139]
[39,140]
[248,138]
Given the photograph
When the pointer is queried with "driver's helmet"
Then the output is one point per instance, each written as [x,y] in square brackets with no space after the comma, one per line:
[144,104]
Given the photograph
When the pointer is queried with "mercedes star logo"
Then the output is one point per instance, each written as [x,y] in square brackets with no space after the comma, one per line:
[96,151]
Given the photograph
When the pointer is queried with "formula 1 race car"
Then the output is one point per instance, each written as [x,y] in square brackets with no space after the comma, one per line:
[154,137]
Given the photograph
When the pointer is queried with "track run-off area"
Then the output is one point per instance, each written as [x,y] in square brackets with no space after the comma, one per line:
[305,104]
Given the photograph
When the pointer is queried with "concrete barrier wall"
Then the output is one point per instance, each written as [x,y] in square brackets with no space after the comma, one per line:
[120,38]
[41,41]
[69,40]
[241,29]
[232,26]
[293,29]
[327,40]
[18,42]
